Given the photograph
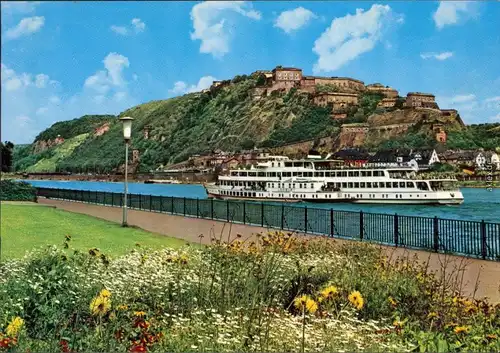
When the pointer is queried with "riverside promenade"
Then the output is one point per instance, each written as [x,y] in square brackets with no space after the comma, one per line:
[479,278]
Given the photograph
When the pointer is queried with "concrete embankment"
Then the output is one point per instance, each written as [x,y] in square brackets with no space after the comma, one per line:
[479,278]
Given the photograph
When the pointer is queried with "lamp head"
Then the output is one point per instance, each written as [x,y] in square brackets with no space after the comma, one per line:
[127,127]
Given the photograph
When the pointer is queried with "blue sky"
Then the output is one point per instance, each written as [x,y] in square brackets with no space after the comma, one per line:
[62,60]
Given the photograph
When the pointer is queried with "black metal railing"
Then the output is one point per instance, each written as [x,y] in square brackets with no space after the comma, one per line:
[469,238]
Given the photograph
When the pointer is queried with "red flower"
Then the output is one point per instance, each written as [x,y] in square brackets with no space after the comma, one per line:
[138,349]
[64,346]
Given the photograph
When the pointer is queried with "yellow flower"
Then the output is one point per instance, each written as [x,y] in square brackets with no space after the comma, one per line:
[398,323]
[100,305]
[461,329]
[14,326]
[105,293]
[122,307]
[304,302]
[356,300]
[329,292]
[392,301]
[139,313]
[432,315]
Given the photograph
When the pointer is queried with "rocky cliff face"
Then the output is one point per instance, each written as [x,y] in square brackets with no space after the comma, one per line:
[42,145]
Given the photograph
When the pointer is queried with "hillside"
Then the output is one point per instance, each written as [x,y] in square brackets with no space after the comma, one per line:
[227,117]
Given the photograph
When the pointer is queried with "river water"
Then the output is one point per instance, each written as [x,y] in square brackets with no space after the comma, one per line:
[479,204]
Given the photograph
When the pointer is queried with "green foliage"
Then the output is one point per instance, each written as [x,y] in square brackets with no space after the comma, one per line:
[442,167]
[485,136]
[326,88]
[241,297]
[72,128]
[6,151]
[11,190]
[411,140]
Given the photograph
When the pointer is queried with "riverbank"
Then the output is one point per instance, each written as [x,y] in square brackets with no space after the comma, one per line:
[474,272]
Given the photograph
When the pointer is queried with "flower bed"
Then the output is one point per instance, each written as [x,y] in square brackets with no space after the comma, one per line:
[281,293]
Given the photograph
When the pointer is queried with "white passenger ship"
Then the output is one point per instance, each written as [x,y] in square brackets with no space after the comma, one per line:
[282,179]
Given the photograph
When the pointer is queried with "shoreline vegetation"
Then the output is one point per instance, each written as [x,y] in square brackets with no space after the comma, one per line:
[278,293]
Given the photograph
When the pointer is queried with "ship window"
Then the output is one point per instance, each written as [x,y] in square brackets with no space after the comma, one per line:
[294,174]
[375,185]
[401,184]
[356,185]
[261,174]
[309,174]
[300,186]
[362,185]
[344,174]
[388,185]
[363,173]
[294,185]
[349,185]
[409,184]
[354,174]
[344,185]
[272,185]
[299,174]
[272,164]
[312,186]
[395,184]
[320,174]
[288,164]
[287,174]
[252,174]
[369,185]
[328,174]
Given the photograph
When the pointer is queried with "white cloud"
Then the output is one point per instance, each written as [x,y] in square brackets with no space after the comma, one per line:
[451,12]
[211,27]
[35,96]
[26,26]
[352,35]
[492,99]
[438,56]
[138,25]
[102,80]
[181,87]
[41,80]
[292,20]
[464,98]
[495,118]
[121,30]
[13,82]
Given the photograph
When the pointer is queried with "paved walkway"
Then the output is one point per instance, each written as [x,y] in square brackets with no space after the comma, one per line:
[480,278]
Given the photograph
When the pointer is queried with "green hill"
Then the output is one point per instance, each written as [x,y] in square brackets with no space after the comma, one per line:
[228,117]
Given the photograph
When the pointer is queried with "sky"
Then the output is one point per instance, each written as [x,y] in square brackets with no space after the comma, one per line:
[62,60]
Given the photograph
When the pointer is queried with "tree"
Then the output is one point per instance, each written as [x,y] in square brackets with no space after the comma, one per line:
[6,155]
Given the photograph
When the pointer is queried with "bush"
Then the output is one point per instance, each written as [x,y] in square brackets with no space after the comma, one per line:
[11,190]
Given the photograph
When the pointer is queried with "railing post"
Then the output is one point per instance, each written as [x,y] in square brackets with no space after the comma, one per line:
[172,204]
[244,212]
[331,222]
[484,249]
[197,207]
[396,229]
[361,225]
[282,216]
[305,219]
[262,214]
[140,201]
[227,209]
[436,234]
[113,199]
[150,203]
[184,207]
[212,207]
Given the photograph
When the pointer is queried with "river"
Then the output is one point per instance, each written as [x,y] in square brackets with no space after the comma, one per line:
[479,204]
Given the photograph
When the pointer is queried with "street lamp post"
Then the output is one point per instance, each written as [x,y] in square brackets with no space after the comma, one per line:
[127,131]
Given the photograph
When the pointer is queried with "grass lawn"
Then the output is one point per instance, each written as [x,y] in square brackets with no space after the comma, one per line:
[24,227]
